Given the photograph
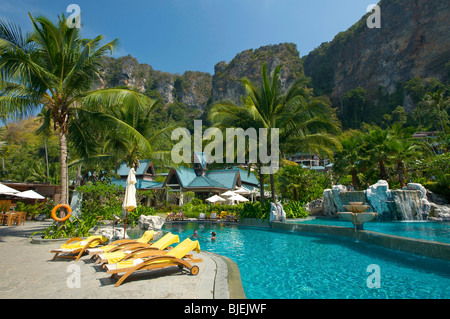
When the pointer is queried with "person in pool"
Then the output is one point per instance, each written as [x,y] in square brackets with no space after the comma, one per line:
[213,236]
[195,235]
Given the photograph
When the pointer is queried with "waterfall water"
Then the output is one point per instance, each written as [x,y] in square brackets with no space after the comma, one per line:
[407,205]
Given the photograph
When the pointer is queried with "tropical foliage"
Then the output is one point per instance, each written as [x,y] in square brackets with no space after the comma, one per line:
[302,120]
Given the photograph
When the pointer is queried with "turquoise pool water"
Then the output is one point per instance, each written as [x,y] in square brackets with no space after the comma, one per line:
[436,231]
[287,265]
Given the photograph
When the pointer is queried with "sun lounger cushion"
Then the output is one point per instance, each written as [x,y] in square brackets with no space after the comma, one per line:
[178,252]
[81,244]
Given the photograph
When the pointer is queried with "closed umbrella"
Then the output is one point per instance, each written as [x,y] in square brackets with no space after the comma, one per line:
[129,202]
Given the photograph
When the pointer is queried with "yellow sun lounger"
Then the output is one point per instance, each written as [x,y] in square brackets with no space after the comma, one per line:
[76,247]
[119,244]
[160,245]
[171,258]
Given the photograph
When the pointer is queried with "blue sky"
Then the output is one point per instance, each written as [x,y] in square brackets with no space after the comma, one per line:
[180,35]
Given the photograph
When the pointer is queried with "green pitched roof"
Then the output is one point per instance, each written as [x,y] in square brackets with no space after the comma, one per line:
[123,169]
[140,183]
[225,178]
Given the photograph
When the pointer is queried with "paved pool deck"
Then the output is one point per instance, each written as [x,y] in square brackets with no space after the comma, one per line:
[27,272]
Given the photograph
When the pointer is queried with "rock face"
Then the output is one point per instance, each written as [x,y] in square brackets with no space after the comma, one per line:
[277,213]
[150,222]
[379,197]
[226,84]
[401,204]
[192,88]
[413,41]
[198,89]
[112,233]
[332,201]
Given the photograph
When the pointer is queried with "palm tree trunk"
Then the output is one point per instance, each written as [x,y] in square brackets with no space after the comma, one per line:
[401,173]
[272,188]
[354,179]
[46,159]
[383,174]
[64,169]
[261,185]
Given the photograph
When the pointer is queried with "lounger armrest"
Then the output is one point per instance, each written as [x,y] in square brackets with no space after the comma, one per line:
[122,241]
[128,246]
[142,253]
[73,239]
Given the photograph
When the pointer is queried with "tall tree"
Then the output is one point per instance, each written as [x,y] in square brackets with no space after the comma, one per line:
[350,158]
[301,119]
[54,67]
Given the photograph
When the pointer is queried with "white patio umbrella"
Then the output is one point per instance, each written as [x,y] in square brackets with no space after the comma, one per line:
[215,199]
[5,190]
[238,198]
[29,194]
[129,202]
[242,190]
[228,193]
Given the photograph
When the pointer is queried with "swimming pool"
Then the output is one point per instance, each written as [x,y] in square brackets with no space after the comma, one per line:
[435,231]
[289,265]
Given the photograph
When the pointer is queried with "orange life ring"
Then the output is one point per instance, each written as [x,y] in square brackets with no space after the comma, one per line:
[65,217]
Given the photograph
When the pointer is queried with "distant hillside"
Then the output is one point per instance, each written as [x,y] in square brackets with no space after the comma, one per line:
[413,41]
[197,89]
[191,88]
[226,84]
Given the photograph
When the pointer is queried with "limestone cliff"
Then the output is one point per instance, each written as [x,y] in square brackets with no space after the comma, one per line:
[226,84]
[191,88]
[414,40]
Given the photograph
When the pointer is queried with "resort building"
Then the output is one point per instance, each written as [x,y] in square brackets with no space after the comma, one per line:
[311,161]
[198,179]
[145,176]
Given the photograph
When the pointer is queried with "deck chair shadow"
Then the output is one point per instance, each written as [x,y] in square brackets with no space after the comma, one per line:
[174,257]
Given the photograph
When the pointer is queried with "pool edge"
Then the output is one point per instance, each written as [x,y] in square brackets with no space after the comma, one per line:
[425,248]
[234,282]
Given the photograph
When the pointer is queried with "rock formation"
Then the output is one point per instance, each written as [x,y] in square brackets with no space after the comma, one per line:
[151,222]
[413,41]
[402,204]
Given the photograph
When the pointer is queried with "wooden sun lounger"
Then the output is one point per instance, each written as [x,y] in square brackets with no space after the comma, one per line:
[152,263]
[162,260]
[153,248]
[75,253]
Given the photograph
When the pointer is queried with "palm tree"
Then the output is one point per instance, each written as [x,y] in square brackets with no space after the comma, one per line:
[349,159]
[53,67]
[403,148]
[376,150]
[300,119]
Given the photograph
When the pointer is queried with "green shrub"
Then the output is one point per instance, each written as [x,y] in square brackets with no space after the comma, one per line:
[294,209]
[256,210]
[73,227]
[101,199]
[31,210]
